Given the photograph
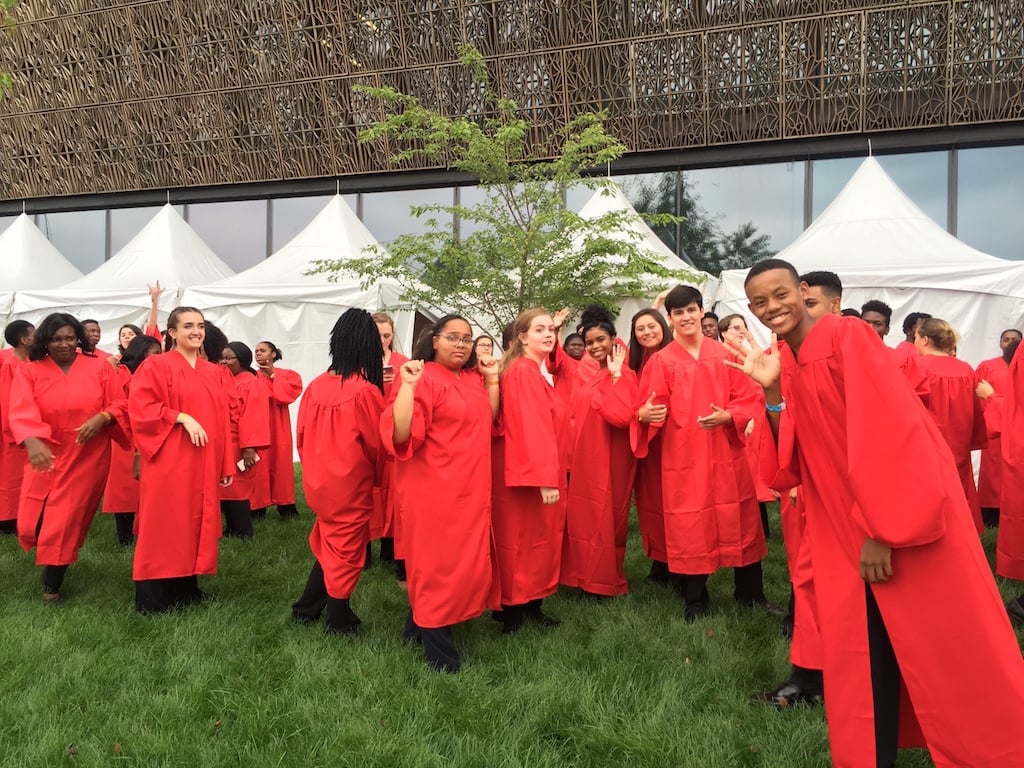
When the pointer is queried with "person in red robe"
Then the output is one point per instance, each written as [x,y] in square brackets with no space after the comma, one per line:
[648,333]
[952,402]
[338,438]
[996,372]
[897,669]
[19,335]
[438,428]
[702,408]
[121,491]
[283,388]
[63,411]
[383,521]
[878,315]
[250,437]
[529,474]
[180,411]
[601,476]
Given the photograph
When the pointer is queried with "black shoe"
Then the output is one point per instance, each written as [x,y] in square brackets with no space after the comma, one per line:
[1016,611]
[788,694]
[286,510]
[533,612]
[695,611]
[764,604]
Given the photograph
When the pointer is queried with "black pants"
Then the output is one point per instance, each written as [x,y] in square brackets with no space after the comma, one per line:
[286,510]
[53,577]
[159,595]
[124,522]
[9,527]
[990,516]
[314,601]
[748,589]
[885,684]
[237,519]
[438,648]
[762,507]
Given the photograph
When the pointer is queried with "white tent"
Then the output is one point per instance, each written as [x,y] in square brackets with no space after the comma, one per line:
[610,198]
[277,301]
[883,246]
[166,250]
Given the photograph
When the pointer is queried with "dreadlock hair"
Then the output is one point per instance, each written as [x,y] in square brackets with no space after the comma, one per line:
[138,349]
[424,349]
[355,347]
[637,353]
[244,355]
[135,328]
[214,342]
[911,321]
[596,317]
[277,353]
[46,330]
[17,330]
[520,325]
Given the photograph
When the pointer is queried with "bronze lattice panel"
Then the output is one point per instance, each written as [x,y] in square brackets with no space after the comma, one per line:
[146,94]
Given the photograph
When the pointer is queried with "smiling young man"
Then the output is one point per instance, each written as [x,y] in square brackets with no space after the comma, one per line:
[900,666]
[701,408]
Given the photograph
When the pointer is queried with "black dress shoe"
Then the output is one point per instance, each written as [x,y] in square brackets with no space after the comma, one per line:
[1016,611]
[695,611]
[788,694]
[764,604]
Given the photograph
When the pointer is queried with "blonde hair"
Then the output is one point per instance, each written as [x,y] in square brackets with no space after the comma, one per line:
[383,317]
[940,334]
[521,325]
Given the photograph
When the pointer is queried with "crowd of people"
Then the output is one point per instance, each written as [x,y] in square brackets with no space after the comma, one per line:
[492,474]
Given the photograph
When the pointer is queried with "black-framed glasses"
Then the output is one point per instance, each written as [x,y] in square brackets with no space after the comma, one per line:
[451,338]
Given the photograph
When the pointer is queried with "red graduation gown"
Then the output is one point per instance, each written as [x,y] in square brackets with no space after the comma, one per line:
[178,520]
[250,428]
[600,483]
[997,373]
[51,405]
[710,507]
[382,521]
[874,465]
[121,491]
[958,415]
[528,534]
[12,455]
[907,359]
[338,437]
[281,391]
[443,496]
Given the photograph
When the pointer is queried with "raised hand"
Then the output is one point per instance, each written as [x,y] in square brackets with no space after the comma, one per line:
[615,360]
[488,366]
[751,360]
[411,372]
[154,290]
[559,318]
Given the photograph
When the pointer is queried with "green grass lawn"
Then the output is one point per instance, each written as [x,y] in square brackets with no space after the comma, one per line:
[232,682]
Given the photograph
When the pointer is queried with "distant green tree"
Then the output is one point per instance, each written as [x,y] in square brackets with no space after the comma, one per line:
[525,247]
[8,20]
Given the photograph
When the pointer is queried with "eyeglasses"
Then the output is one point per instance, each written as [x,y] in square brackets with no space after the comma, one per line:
[227,358]
[451,338]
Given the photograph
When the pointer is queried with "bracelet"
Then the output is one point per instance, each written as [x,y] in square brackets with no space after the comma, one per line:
[616,376]
[492,382]
[775,408]
[106,416]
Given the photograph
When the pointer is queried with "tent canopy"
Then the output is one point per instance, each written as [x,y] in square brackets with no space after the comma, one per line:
[884,247]
[29,261]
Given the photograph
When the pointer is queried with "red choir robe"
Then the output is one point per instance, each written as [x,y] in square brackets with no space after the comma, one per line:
[873,464]
[121,491]
[443,497]
[178,521]
[600,483]
[382,521]
[281,391]
[760,439]
[958,415]
[805,646]
[338,438]
[12,455]
[528,533]
[647,495]
[250,428]
[711,515]
[997,373]
[51,405]
[908,360]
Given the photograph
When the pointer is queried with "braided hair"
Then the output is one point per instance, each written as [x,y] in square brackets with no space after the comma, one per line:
[355,347]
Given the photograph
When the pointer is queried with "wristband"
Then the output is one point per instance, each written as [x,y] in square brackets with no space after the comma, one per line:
[775,408]
[106,416]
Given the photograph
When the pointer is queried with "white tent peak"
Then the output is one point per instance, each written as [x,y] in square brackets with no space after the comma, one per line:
[872,222]
[28,261]
[336,233]
[167,249]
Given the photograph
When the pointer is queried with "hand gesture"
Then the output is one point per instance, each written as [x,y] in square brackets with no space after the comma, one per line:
[650,413]
[196,433]
[226,481]
[984,390]
[660,298]
[267,368]
[411,372]
[559,318]
[549,495]
[762,368]
[488,366]
[90,428]
[154,291]
[616,359]
[249,458]
[718,417]
[875,562]
[39,454]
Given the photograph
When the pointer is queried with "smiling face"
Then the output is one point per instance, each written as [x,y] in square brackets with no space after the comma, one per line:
[453,344]
[189,332]
[63,345]
[484,346]
[686,321]
[540,338]
[648,332]
[734,331]
[599,344]
[776,298]
[575,348]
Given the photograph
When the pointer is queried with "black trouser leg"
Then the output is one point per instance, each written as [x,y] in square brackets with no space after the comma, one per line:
[533,611]
[259,513]
[9,527]
[511,618]
[749,584]
[990,516]
[184,590]
[659,572]
[789,620]
[287,510]
[439,649]
[762,507]
[53,577]
[387,549]
[159,595]
[369,555]
[885,684]
[810,681]
[314,597]
[123,523]
[400,570]
[695,593]
[410,632]
[341,619]
[237,518]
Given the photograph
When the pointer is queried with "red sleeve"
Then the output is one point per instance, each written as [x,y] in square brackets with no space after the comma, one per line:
[25,419]
[745,403]
[422,415]
[254,415]
[889,437]
[300,425]
[531,439]
[154,331]
[151,419]
[7,371]
[994,407]
[115,402]
[615,400]
[286,386]
[652,380]
[369,406]
[916,377]
[979,435]
[559,363]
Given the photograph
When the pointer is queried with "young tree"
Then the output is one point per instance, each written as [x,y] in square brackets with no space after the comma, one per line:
[525,247]
[7,20]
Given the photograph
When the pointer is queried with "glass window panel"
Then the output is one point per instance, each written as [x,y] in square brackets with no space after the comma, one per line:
[387,214]
[236,231]
[5,222]
[81,236]
[126,223]
[741,214]
[922,176]
[990,189]
[291,215]
[653,193]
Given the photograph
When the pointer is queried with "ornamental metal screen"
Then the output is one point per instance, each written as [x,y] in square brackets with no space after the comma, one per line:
[113,96]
